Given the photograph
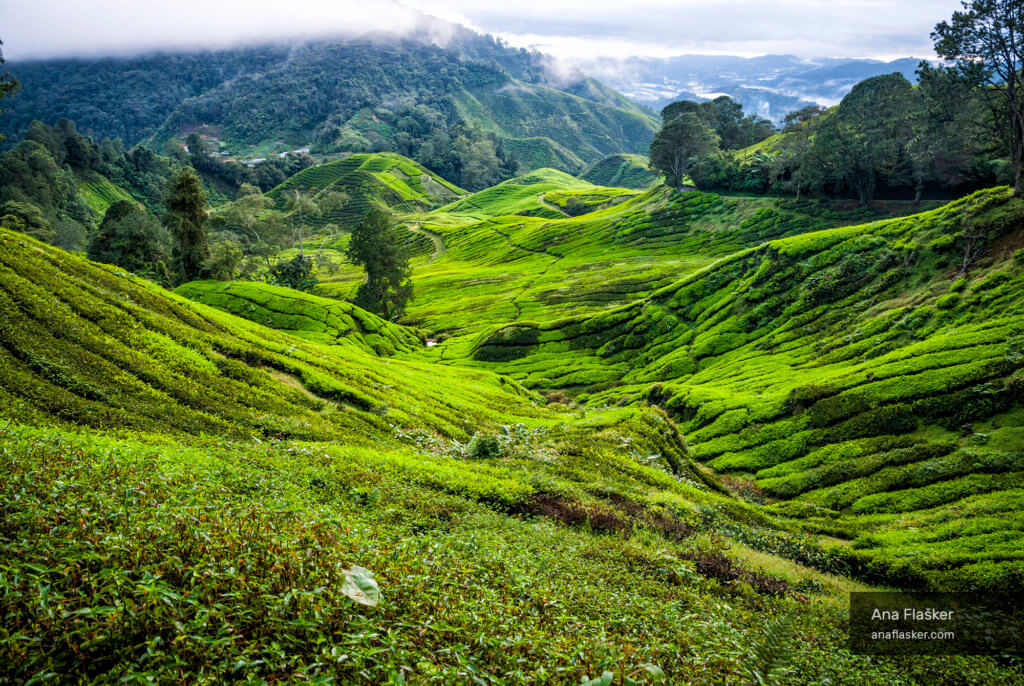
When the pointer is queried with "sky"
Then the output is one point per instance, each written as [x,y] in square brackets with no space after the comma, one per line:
[573,30]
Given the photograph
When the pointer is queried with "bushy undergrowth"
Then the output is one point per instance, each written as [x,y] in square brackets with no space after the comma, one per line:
[205,561]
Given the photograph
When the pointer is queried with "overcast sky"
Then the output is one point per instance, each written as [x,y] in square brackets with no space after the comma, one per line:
[573,29]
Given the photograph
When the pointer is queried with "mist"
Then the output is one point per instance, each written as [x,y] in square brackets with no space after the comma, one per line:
[572,31]
[51,28]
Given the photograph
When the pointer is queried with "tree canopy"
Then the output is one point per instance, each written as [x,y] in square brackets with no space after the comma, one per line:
[679,140]
[378,247]
[186,218]
[8,84]
[131,238]
[986,42]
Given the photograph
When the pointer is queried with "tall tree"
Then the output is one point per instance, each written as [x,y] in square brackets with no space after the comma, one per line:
[8,84]
[186,218]
[679,140]
[875,121]
[986,41]
[131,238]
[377,246]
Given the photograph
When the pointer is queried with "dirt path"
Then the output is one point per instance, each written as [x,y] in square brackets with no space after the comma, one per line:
[439,247]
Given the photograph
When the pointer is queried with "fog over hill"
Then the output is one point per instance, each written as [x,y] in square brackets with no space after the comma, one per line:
[769,85]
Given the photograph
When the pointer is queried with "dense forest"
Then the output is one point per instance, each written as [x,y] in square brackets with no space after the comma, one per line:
[474,109]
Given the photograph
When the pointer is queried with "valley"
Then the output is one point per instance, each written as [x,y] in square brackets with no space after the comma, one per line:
[506,379]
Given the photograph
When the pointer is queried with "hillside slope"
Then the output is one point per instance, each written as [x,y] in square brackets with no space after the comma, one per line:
[512,253]
[202,540]
[622,170]
[358,95]
[89,345]
[384,180]
[871,376]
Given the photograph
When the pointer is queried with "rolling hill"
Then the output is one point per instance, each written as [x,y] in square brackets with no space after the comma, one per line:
[384,180]
[868,378]
[864,378]
[857,372]
[241,494]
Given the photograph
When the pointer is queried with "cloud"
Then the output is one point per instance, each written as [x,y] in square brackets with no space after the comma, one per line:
[570,30]
[52,28]
[659,28]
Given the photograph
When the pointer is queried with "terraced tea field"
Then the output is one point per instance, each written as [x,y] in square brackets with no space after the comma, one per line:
[658,431]
[856,381]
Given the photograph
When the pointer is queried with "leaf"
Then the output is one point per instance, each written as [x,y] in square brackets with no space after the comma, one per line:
[604,680]
[361,587]
[654,671]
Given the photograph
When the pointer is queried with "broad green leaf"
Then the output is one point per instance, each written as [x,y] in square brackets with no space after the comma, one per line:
[361,587]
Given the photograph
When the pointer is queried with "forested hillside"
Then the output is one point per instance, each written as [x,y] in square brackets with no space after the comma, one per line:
[408,96]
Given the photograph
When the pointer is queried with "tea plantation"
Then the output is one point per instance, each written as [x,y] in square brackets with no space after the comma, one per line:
[660,438]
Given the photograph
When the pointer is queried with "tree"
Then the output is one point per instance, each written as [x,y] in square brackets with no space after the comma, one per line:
[798,119]
[225,257]
[679,140]
[986,41]
[28,219]
[874,123]
[8,84]
[130,238]
[295,273]
[185,201]
[377,246]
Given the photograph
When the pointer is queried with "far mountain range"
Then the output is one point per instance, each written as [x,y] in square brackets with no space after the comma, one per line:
[770,85]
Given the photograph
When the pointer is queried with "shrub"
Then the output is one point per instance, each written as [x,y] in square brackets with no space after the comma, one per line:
[947,302]
[484,446]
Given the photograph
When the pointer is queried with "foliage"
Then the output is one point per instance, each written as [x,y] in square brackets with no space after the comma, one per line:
[621,171]
[725,117]
[185,201]
[376,246]
[680,140]
[130,238]
[772,653]
[986,42]
[885,138]
[473,107]
[8,85]
[295,273]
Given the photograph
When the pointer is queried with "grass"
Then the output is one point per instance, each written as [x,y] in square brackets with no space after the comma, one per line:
[314,318]
[100,193]
[824,368]
[818,367]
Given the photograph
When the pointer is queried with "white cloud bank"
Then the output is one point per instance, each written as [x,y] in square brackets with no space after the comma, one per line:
[573,29]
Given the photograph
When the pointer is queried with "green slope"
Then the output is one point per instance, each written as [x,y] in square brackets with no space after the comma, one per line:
[542,124]
[204,560]
[513,255]
[857,374]
[199,541]
[99,192]
[385,180]
[88,344]
[175,472]
[519,196]
[323,320]
[622,170]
